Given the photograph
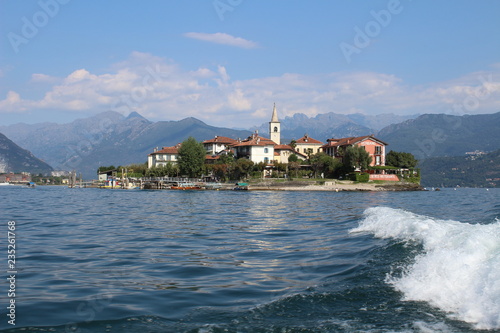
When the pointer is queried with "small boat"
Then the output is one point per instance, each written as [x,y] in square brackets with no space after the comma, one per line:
[213,186]
[186,186]
[241,187]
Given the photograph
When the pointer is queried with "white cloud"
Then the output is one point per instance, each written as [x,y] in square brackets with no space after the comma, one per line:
[222,38]
[43,78]
[160,90]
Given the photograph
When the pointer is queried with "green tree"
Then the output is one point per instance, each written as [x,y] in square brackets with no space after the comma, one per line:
[294,166]
[242,168]
[167,170]
[293,158]
[105,168]
[280,168]
[191,157]
[226,158]
[356,157]
[400,159]
[324,164]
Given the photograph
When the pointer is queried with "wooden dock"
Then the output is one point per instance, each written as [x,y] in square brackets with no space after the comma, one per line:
[178,183]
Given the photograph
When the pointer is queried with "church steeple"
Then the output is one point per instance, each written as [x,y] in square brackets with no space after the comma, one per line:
[274,127]
[274,118]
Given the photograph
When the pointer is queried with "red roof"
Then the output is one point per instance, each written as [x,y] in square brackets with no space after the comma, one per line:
[255,140]
[283,147]
[167,150]
[288,147]
[220,139]
[307,139]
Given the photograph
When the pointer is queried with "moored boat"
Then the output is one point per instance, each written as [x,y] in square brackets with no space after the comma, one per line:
[241,187]
[186,186]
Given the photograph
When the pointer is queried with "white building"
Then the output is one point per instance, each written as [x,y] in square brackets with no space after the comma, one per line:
[162,157]
[218,144]
[255,148]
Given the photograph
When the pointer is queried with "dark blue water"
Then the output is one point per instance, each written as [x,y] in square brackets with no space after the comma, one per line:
[92,260]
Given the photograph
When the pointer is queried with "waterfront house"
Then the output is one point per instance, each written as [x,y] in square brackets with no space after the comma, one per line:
[374,147]
[255,148]
[163,156]
[218,144]
[15,177]
[307,145]
[283,152]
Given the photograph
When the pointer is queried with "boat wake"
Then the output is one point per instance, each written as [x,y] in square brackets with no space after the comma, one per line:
[458,270]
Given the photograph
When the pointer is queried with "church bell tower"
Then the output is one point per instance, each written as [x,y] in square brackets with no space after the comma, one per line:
[274,127]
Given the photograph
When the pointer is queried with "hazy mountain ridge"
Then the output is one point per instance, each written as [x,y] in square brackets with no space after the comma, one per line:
[432,135]
[463,171]
[16,159]
[332,125]
[108,138]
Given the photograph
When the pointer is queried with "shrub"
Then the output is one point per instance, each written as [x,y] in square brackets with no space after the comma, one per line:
[359,177]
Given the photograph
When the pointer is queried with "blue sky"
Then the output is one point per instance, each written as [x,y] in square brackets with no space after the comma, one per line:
[227,61]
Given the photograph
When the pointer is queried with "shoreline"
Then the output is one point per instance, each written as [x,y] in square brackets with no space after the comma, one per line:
[336,187]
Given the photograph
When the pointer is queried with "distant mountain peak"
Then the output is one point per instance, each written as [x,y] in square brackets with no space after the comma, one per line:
[135,114]
[192,120]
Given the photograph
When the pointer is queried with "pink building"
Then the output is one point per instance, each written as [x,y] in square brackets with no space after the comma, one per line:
[374,147]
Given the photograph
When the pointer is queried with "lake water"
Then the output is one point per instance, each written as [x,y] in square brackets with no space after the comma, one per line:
[92,260]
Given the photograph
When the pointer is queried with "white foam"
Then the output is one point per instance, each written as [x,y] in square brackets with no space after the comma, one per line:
[459,270]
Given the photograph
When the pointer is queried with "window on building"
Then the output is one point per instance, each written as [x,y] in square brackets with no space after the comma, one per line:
[377,160]
[378,150]
[275,128]
[266,150]
[266,160]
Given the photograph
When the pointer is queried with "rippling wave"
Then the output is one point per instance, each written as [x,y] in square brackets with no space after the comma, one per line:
[458,269]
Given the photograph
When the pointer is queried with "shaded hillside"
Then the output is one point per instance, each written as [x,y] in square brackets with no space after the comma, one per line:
[470,171]
[108,138]
[15,159]
[129,148]
[444,135]
[63,145]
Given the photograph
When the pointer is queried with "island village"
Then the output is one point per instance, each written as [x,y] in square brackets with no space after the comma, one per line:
[257,162]
[305,163]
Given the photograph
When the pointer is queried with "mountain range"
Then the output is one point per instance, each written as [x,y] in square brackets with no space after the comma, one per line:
[482,170]
[432,135]
[16,159]
[333,125]
[110,138]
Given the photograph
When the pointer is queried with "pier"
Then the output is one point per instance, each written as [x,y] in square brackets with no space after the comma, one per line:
[178,183]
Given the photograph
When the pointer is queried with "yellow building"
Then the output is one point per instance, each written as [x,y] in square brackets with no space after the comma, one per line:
[307,145]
